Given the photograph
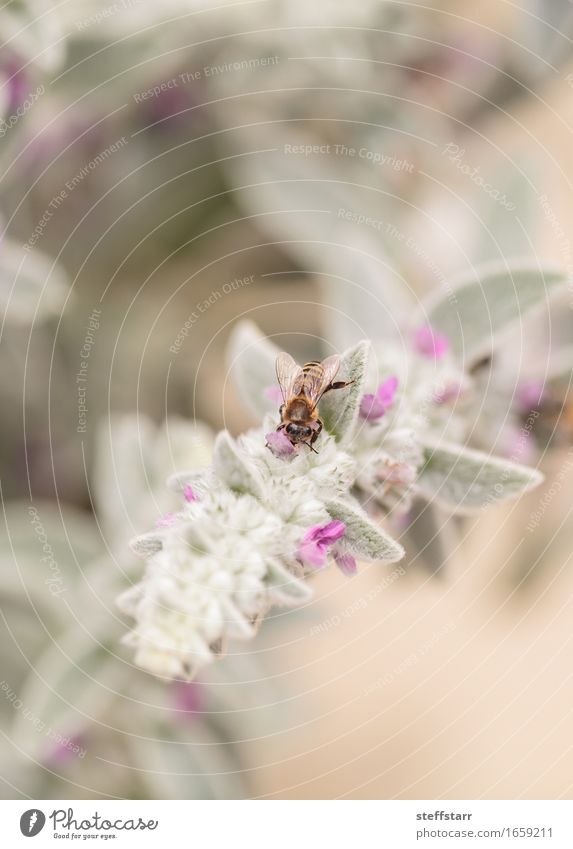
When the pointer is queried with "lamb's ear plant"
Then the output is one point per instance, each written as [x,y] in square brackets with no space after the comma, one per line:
[490,324]
[78,685]
[249,531]
[267,514]
[32,286]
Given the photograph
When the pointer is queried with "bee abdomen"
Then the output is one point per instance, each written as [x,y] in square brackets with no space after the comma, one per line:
[313,366]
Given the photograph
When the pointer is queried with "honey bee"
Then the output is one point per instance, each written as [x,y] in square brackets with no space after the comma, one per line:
[302,387]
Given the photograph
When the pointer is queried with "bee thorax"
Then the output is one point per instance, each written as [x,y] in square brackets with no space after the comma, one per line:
[298,411]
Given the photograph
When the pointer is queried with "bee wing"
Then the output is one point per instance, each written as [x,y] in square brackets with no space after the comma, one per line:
[289,376]
[316,381]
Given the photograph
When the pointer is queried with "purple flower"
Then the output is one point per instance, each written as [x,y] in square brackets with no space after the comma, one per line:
[279,443]
[345,561]
[65,749]
[403,520]
[449,393]
[313,548]
[397,473]
[188,699]
[166,521]
[373,406]
[274,394]
[530,395]
[172,106]
[430,344]
[518,445]
[16,82]
[189,493]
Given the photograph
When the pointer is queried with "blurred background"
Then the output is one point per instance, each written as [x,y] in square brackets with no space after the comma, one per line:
[165,170]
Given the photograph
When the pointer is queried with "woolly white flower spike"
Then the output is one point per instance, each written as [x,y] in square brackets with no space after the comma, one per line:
[201,588]
[193,484]
[246,543]
[284,587]
[268,512]
[233,467]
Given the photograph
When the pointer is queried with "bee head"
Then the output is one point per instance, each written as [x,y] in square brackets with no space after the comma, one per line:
[298,431]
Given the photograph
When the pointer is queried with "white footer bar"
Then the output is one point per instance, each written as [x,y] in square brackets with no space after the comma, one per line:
[289,824]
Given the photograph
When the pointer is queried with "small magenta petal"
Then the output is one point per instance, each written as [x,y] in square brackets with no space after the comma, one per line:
[188,699]
[189,493]
[530,395]
[430,344]
[59,755]
[395,473]
[166,521]
[331,532]
[451,392]
[373,407]
[313,548]
[16,82]
[279,443]
[312,554]
[518,445]
[64,750]
[387,390]
[402,521]
[274,394]
[345,562]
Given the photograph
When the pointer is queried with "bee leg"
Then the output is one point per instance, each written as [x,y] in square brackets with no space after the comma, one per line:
[338,384]
[316,433]
[315,436]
